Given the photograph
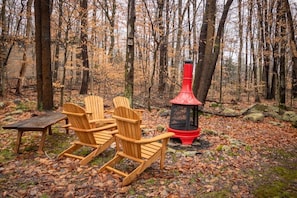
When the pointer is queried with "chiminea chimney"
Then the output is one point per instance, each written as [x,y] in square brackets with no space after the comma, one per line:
[184,110]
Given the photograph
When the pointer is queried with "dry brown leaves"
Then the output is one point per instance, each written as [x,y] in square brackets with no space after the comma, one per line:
[229,159]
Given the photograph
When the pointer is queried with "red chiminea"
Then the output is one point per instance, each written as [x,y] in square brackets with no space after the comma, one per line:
[184,110]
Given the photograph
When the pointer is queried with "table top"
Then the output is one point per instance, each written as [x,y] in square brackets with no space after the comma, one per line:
[39,122]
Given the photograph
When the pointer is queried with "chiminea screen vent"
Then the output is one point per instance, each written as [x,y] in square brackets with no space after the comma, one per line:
[184,117]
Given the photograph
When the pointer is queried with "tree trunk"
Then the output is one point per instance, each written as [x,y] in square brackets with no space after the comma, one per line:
[3,48]
[209,53]
[240,27]
[84,46]
[7,43]
[266,50]
[43,55]
[129,66]
[163,49]
[107,7]
[58,41]
[282,61]
[293,45]
[27,40]
[276,54]
[253,52]
[177,60]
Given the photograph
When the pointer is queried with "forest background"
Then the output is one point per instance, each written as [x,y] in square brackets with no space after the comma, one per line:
[246,49]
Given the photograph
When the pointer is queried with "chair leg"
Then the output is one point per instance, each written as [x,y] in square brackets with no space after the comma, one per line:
[132,176]
[111,163]
[88,158]
[96,152]
[163,152]
[70,150]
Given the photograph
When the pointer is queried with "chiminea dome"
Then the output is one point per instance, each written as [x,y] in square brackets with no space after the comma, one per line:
[186,96]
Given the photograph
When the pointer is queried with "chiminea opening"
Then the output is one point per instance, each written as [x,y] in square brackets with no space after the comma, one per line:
[184,120]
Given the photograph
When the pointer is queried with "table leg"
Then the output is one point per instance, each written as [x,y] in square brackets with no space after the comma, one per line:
[42,141]
[18,143]
[50,130]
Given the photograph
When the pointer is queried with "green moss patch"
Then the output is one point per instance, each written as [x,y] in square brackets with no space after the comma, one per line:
[279,180]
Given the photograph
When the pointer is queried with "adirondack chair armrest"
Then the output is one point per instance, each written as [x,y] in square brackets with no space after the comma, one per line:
[148,140]
[103,121]
[113,132]
[109,111]
[109,126]
[155,138]
[105,127]
[73,113]
[126,138]
[125,119]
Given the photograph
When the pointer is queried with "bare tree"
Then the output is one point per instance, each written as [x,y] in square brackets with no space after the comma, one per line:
[293,45]
[3,47]
[240,27]
[129,66]
[7,42]
[84,46]
[282,52]
[43,55]
[178,46]
[163,48]
[109,10]
[58,40]
[26,43]
[209,48]
[253,53]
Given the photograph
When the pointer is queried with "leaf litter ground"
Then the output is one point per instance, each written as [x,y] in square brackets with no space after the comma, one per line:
[232,158]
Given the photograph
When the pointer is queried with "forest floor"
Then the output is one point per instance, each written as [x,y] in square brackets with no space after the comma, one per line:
[231,158]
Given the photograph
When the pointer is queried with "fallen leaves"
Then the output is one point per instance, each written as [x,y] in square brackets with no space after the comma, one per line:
[230,156]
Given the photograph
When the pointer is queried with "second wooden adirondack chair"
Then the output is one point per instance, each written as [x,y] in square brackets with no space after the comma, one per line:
[95,109]
[121,101]
[98,139]
[143,151]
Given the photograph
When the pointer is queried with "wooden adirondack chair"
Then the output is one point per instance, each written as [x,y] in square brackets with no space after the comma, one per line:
[143,151]
[95,109]
[121,101]
[99,139]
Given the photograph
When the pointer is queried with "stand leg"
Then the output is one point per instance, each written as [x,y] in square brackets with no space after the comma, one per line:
[18,143]
[41,144]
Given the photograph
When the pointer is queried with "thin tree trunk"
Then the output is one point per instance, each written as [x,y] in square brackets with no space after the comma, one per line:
[254,58]
[3,47]
[293,45]
[266,51]
[177,60]
[129,66]
[282,61]
[84,47]
[26,43]
[58,41]
[240,27]
[163,49]
[109,10]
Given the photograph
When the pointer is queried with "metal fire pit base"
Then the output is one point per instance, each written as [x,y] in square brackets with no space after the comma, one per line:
[186,137]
